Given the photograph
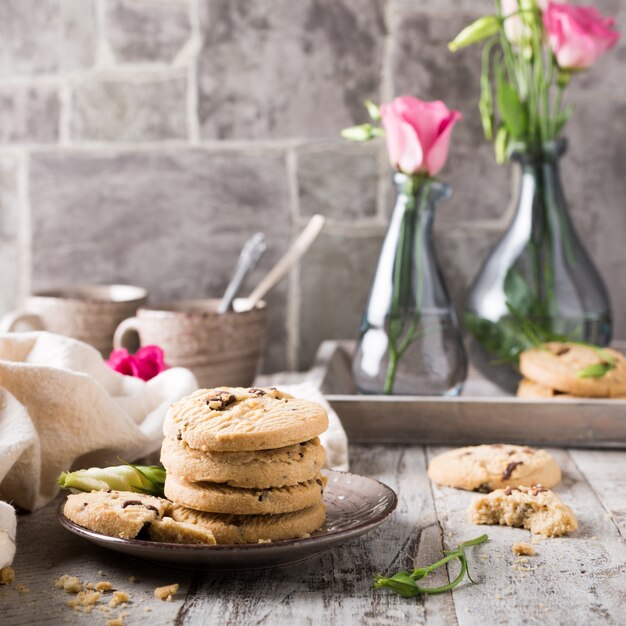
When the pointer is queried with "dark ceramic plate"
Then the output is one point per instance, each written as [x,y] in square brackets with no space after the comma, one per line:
[355,505]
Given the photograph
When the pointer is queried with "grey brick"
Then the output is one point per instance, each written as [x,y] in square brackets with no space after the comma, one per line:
[29,32]
[335,282]
[146,109]
[144,30]
[79,34]
[338,181]
[424,67]
[170,220]
[29,114]
[9,235]
[287,69]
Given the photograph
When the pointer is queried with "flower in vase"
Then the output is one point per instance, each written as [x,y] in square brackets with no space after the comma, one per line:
[146,363]
[418,134]
[578,35]
[513,12]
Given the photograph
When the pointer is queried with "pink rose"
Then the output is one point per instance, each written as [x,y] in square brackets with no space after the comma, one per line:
[146,363]
[578,35]
[418,134]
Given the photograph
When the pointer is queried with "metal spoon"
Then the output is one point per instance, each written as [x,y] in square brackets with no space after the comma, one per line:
[250,254]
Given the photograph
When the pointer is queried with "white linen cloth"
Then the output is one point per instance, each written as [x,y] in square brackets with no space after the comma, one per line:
[60,406]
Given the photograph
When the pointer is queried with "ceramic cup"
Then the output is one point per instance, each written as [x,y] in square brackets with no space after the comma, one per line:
[220,349]
[90,313]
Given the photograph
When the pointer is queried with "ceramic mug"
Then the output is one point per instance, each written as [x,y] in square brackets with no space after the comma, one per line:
[220,349]
[90,313]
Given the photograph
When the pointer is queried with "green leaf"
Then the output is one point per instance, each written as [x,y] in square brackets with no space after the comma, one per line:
[402,583]
[138,478]
[500,144]
[517,292]
[373,110]
[598,370]
[512,111]
[479,30]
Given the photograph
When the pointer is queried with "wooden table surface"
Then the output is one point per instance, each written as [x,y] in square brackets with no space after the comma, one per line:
[573,580]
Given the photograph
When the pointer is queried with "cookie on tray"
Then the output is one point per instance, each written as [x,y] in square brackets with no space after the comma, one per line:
[261,468]
[218,498]
[562,366]
[535,508]
[243,419]
[488,467]
[254,528]
[114,513]
[534,391]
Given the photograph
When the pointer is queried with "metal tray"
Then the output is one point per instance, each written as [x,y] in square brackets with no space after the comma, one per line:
[483,414]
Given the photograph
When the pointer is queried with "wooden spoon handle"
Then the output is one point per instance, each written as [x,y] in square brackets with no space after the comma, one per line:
[290,258]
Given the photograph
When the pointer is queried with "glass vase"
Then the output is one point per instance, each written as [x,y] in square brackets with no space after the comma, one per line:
[410,343]
[538,283]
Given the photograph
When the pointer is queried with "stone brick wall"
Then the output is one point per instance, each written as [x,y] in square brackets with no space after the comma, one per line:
[143,141]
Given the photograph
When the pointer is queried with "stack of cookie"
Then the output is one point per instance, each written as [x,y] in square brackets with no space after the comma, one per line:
[245,463]
[571,370]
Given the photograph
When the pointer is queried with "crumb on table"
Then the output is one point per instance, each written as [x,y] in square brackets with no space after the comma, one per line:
[85,600]
[119,597]
[103,585]
[521,548]
[166,592]
[118,621]
[7,576]
[68,583]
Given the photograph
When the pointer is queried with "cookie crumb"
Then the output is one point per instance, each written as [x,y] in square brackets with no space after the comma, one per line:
[166,592]
[133,579]
[22,589]
[119,597]
[103,585]
[68,583]
[7,576]
[84,599]
[118,621]
[521,548]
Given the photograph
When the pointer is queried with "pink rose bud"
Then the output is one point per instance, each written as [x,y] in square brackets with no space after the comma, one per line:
[146,363]
[578,35]
[418,134]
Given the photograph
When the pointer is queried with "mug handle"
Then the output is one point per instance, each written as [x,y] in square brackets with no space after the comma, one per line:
[10,321]
[120,338]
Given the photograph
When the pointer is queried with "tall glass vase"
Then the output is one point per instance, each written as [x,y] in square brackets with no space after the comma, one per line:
[410,343]
[538,281]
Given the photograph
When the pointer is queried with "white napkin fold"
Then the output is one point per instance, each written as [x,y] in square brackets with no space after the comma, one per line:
[60,406]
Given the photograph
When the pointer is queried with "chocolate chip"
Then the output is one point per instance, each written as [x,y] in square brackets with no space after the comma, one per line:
[152,508]
[220,401]
[257,392]
[132,503]
[85,505]
[301,455]
[510,468]
[179,436]
[562,351]
[319,481]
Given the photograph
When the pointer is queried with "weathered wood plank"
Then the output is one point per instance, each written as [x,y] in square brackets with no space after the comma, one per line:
[46,551]
[572,580]
[336,588]
[604,471]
